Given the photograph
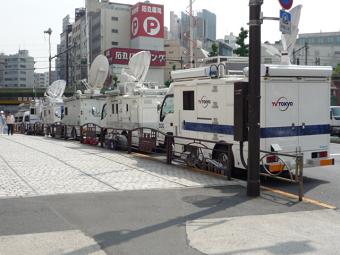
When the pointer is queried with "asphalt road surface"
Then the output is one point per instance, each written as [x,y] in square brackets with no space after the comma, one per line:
[320,183]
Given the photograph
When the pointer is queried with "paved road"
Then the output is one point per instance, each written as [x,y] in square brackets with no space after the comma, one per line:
[59,197]
[320,183]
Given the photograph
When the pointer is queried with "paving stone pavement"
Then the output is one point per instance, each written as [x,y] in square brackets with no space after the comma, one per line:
[32,166]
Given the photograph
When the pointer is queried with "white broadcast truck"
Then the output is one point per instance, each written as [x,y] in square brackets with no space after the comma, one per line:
[81,109]
[335,120]
[134,103]
[208,103]
[294,113]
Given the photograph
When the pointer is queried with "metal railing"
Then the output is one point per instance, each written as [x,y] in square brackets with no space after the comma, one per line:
[283,167]
[207,155]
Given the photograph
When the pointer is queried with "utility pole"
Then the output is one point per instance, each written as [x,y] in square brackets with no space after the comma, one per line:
[255,22]
[49,32]
[306,53]
[191,47]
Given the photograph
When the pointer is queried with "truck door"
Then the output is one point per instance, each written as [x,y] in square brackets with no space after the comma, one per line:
[280,113]
[314,101]
[166,115]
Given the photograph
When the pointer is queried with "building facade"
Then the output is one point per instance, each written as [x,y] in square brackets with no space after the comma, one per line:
[78,53]
[206,27]
[109,26]
[18,70]
[63,62]
[2,68]
[40,80]
[322,49]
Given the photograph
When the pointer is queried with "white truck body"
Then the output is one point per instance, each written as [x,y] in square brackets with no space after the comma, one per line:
[294,110]
[52,111]
[82,109]
[335,120]
[133,110]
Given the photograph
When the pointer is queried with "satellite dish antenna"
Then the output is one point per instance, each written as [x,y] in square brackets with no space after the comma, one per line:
[56,89]
[289,40]
[98,73]
[271,50]
[139,65]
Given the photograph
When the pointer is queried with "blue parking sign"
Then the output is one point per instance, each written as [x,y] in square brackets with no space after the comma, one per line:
[285,22]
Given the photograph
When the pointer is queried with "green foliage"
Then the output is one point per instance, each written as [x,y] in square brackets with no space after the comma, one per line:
[167,83]
[174,67]
[337,70]
[243,50]
[214,50]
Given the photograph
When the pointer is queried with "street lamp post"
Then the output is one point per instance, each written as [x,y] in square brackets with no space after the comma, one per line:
[255,22]
[49,32]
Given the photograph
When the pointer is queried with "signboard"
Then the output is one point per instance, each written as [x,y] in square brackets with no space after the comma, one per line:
[286,4]
[121,56]
[147,20]
[285,22]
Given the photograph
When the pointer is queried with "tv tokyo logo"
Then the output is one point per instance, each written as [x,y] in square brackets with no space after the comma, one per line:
[204,101]
[283,104]
[151,26]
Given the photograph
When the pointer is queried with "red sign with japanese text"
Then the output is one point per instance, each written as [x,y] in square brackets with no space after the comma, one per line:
[147,20]
[121,56]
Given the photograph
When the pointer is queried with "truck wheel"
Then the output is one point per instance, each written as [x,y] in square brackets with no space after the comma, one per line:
[220,154]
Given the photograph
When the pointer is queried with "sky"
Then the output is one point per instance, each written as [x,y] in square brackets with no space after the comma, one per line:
[23,22]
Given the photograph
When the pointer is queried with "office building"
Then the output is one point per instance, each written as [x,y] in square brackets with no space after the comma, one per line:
[19,70]
[322,49]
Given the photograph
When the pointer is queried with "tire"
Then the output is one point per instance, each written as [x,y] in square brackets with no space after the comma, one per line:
[220,154]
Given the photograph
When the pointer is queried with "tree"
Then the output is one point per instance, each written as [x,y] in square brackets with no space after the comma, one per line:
[214,50]
[336,72]
[243,50]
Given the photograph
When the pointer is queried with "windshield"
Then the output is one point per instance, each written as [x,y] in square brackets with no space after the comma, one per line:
[336,111]
[167,107]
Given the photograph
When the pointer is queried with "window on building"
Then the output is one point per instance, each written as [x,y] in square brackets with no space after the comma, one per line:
[115,31]
[114,18]
[66,111]
[22,66]
[116,108]
[311,40]
[113,109]
[22,79]
[330,39]
[338,39]
[321,41]
[114,43]
[189,100]
[127,107]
